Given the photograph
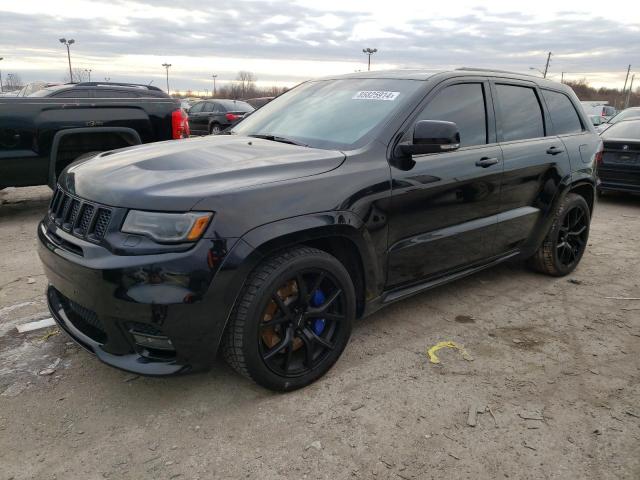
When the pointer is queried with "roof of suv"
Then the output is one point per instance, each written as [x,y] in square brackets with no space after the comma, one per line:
[425,74]
[133,87]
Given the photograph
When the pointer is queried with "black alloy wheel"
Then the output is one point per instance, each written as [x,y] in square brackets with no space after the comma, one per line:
[292,320]
[572,236]
[301,322]
[566,241]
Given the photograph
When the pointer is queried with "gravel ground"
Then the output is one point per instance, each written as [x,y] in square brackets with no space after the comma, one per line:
[555,371]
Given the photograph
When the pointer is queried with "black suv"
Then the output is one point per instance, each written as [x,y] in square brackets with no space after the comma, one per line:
[335,199]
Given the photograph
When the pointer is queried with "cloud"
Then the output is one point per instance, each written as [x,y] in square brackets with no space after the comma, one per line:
[235,31]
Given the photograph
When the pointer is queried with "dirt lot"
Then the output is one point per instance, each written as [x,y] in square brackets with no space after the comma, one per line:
[555,361]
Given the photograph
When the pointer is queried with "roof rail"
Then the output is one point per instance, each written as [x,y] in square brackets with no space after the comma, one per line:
[472,69]
[117,84]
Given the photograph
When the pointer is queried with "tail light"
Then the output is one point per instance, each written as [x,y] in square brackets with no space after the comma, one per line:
[599,154]
[232,117]
[179,124]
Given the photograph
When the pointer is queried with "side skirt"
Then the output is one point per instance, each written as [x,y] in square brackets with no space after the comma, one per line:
[398,294]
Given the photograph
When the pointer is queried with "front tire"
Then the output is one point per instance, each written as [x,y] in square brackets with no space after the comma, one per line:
[566,241]
[292,320]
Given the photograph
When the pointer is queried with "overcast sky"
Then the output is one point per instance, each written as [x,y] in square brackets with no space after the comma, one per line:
[285,42]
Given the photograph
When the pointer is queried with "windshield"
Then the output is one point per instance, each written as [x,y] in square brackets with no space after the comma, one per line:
[333,114]
[629,129]
[625,115]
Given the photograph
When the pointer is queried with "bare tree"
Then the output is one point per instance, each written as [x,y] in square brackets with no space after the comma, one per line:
[244,85]
[12,82]
[79,75]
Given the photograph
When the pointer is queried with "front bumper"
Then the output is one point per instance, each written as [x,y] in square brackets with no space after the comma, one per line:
[103,300]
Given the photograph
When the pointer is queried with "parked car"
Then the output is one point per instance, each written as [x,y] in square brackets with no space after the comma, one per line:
[620,166]
[259,102]
[600,109]
[43,133]
[337,198]
[213,116]
[626,114]
[596,120]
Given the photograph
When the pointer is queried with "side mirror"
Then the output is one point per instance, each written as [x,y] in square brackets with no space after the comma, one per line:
[432,136]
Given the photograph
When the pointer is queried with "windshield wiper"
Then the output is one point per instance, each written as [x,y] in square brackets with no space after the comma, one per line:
[276,138]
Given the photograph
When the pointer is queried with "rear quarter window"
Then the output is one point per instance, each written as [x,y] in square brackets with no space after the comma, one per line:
[520,112]
[563,114]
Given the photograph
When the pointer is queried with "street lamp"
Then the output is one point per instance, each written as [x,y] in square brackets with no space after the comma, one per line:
[67,43]
[1,58]
[88,72]
[369,52]
[166,66]
[214,76]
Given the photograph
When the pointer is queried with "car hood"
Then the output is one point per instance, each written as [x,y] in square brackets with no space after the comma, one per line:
[175,175]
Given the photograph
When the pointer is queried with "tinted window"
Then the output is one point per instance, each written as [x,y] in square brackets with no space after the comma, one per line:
[465,106]
[208,107]
[72,93]
[563,114]
[520,114]
[110,93]
[196,108]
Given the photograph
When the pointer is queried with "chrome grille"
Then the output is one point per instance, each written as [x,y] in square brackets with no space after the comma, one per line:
[81,218]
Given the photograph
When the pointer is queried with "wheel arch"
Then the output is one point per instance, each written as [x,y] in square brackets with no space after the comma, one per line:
[585,189]
[341,234]
[132,136]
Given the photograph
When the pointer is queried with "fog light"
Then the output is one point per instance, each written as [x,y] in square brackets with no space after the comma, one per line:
[157,342]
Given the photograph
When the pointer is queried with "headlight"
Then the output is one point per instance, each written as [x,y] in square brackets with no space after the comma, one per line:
[167,227]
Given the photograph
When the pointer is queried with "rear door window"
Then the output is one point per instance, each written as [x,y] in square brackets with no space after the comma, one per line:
[463,104]
[519,112]
[208,107]
[563,114]
[112,93]
[73,93]
[197,108]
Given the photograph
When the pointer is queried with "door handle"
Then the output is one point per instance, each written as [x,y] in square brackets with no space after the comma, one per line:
[485,162]
[554,150]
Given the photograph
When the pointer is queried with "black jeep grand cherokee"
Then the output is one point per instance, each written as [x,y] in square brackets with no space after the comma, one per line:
[335,199]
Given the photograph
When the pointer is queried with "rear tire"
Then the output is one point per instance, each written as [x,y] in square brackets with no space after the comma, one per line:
[292,319]
[215,129]
[566,241]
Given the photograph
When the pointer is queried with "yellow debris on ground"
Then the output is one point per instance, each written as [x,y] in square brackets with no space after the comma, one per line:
[433,358]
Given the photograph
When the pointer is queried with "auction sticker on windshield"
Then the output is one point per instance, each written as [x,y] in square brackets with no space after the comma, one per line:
[375,95]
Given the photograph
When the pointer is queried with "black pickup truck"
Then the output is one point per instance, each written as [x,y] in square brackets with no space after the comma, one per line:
[40,135]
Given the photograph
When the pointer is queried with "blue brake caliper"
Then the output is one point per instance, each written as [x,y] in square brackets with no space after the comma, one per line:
[318,298]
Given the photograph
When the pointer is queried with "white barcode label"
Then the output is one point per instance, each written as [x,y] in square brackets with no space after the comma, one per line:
[376,95]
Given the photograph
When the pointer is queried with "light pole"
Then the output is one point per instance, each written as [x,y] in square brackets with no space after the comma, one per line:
[369,52]
[88,72]
[214,76]
[1,58]
[546,67]
[166,66]
[67,43]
